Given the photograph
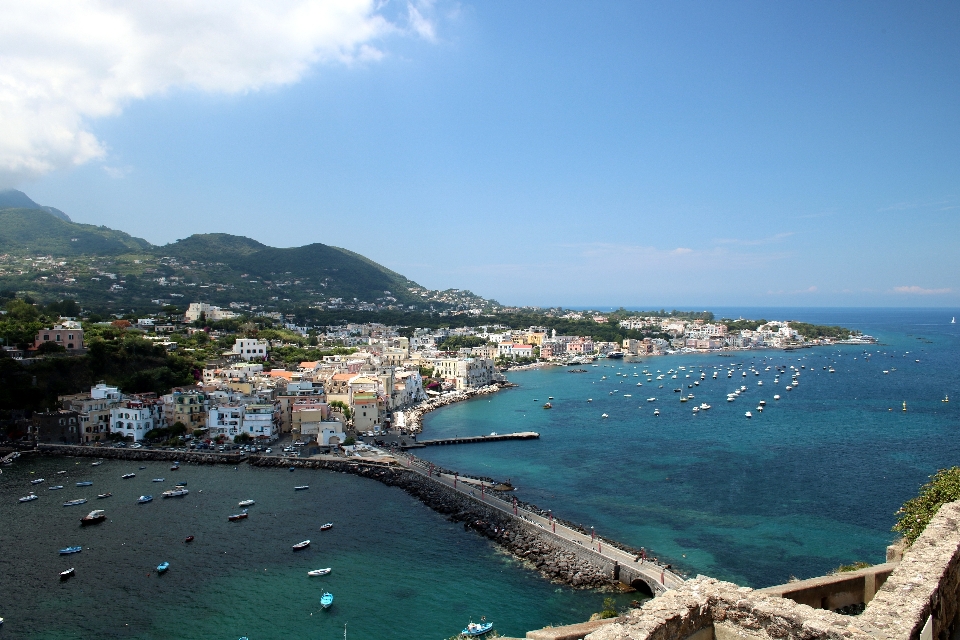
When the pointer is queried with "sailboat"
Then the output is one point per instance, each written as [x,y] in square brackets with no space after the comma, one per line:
[953,320]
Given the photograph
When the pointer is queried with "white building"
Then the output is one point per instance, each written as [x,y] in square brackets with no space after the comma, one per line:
[469,372]
[225,420]
[209,311]
[250,348]
[258,421]
[134,419]
[513,350]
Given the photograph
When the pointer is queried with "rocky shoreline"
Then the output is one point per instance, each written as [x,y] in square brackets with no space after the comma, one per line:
[524,543]
[520,540]
[413,418]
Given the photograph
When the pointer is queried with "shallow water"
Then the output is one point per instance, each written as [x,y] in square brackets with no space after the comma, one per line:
[811,483]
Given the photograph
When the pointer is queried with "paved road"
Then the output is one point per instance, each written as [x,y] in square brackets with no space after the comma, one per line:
[655,573]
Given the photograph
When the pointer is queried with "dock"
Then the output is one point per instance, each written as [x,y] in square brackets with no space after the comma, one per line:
[523,435]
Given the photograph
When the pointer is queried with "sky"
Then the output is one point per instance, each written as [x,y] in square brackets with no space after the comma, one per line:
[539,153]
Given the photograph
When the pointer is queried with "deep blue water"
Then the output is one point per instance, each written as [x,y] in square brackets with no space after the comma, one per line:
[811,483]
[400,570]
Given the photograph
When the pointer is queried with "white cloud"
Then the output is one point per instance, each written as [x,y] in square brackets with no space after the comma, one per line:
[63,64]
[915,290]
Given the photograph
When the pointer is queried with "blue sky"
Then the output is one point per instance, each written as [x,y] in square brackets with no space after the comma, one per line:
[643,154]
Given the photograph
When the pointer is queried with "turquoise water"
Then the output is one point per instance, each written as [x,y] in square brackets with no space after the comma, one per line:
[811,483]
[399,569]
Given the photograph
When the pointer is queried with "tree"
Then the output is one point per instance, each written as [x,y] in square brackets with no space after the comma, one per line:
[242,438]
[50,347]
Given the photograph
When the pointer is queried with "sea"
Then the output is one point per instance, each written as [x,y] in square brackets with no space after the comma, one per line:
[812,482]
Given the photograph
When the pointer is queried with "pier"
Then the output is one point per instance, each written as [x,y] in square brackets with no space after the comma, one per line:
[523,435]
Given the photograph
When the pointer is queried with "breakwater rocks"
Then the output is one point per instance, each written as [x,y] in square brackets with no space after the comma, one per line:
[109,453]
[521,540]
[413,418]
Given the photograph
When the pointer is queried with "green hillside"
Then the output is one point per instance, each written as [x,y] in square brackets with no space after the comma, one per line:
[13,199]
[37,231]
[51,258]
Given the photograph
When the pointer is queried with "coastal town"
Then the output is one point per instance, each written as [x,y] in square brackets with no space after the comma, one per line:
[363,381]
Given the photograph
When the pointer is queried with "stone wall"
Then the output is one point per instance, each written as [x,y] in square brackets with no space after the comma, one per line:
[919,601]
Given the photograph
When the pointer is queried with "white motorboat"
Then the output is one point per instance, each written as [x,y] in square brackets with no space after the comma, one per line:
[748,414]
[301,545]
[247,503]
[319,572]
[29,498]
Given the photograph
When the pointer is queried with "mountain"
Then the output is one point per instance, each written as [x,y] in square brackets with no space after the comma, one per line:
[13,199]
[50,258]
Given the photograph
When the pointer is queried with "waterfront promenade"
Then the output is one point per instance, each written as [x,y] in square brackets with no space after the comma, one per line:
[625,565]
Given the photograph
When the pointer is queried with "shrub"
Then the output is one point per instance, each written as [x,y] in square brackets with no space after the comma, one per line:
[917,512]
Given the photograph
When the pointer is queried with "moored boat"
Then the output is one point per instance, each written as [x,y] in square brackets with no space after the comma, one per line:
[175,493]
[29,498]
[475,629]
[301,487]
[163,566]
[68,573]
[73,503]
[59,486]
[127,476]
[158,479]
[326,526]
[104,495]
[95,516]
[97,463]
[68,550]
[301,545]
[238,516]
[188,539]
[247,503]
[37,481]
[326,600]
[748,415]
[85,483]
[319,572]
[144,499]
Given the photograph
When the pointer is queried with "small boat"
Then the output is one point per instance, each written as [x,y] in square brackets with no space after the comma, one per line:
[69,573]
[301,545]
[175,467]
[763,403]
[247,503]
[748,414]
[319,572]
[163,566]
[174,493]
[326,526]
[97,463]
[945,399]
[292,469]
[73,503]
[37,481]
[683,398]
[28,498]
[104,495]
[302,487]
[475,629]
[238,516]
[85,483]
[158,479]
[547,406]
[776,397]
[604,415]
[69,550]
[60,473]
[127,476]
[696,409]
[144,499]
[326,600]
[656,412]
[95,516]
[651,399]
[142,468]
[188,539]
[59,486]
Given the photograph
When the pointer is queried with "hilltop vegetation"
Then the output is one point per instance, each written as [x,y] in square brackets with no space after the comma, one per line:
[46,256]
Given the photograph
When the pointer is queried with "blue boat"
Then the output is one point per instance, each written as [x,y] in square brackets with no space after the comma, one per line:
[144,499]
[477,629]
[326,600]
[70,550]
[163,566]
[85,483]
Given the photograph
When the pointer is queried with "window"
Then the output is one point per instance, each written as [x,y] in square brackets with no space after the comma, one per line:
[46,336]
[58,337]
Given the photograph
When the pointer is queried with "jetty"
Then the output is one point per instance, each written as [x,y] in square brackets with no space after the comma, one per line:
[523,435]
